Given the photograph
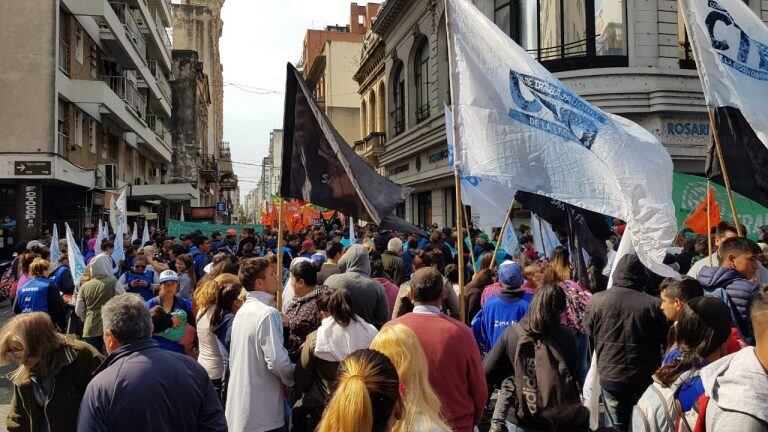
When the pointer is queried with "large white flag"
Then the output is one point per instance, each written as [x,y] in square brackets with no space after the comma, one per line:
[730,44]
[489,200]
[520,126]
[121,221]
[76,260]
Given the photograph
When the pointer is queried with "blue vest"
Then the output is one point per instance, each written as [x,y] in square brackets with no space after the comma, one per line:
[33,296]
[56,276]
[145,292]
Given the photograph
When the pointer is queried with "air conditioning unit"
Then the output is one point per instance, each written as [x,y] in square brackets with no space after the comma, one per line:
[106,176]
[155,172]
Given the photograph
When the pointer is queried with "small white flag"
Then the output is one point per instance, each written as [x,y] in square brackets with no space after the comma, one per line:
[99,239]
[55,252]
[135,232]
[544,238]
[76,260]
[145,234]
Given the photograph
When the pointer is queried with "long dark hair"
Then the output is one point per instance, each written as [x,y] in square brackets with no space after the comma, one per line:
[225,299]
[336,301]
[547,305]
[696,338]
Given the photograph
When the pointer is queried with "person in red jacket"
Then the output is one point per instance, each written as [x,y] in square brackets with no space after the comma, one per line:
[455,368]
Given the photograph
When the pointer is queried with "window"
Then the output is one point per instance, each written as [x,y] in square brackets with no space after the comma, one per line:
[80,120]
[398,101]
[113,148]
[104,144]
[364,119]
[372,127]
[421,79]
[92,134]
[128,162]
[567,34]
[685,53]
[424,208]
[79,45]
[62,130]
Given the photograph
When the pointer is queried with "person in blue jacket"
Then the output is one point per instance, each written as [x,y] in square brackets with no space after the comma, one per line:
[40,294]
[62,276]
[141,279]
[502,310]
[200,257]
[167,298]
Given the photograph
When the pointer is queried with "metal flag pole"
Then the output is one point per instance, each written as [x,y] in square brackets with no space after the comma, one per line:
[709,225]
[456,175]
[280,256]
[501,234]
[726,180]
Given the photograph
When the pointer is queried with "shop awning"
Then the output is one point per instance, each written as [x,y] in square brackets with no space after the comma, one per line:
[168,192]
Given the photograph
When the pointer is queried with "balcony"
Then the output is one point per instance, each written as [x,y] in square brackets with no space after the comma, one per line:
[64,56]
[422,112]
[128,92]
[371,147]
[162,82]
[228,182]
[125,15]
[157,125]
[209,168]
[161,30]
[62,144]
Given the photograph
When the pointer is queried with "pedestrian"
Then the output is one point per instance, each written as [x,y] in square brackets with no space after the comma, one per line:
[209,353]
[24,262]
[502,310]
[628,332]
[165,332]
[258,371]
[92,296]
[369,300]
[732,280]
[674,295]
[40,294]
[736,386]
[392,262]
[62,276]
[331,265]
[187,279]
[723,231]
[420,403]
[141,279]
[455,374]
[577,300]
[290,250]
[200,255]
[529,251]
[47,361]
[377,272]
[474,290]
[404,303]
[303,316]
[307,249]
[167,295]
[247,238]
[451,273]
[408,254]
[367,397]
[90,251]
[540,356]
[141,387]
[703,330]
[229,299]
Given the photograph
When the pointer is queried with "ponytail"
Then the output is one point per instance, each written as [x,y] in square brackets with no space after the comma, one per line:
[367,392]
[338,303]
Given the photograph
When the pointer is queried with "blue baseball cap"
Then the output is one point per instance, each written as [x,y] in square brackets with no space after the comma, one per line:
[510,274]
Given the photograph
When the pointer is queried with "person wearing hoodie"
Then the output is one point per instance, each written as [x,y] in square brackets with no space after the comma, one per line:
[368,298]
[738,268]
[92,296]
[340,334]
[394,269]
[502,310]
[628,331]
[737,385]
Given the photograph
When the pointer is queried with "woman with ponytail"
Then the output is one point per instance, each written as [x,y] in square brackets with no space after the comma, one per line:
[367,398]
[703,330]
[422,406]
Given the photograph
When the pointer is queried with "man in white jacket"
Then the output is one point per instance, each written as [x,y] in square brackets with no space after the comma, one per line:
[258,362]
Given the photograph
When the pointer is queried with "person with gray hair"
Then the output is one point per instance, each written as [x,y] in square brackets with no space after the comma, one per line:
[394,268]
[141,386]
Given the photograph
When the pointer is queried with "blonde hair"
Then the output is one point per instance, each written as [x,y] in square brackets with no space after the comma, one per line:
[38,268]
[205,295]
[422,406]
[366,395]
[31,339]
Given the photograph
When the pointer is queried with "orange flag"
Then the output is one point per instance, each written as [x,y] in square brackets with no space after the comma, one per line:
[697,221]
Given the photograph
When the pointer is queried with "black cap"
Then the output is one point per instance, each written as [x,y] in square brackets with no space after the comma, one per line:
[715,313]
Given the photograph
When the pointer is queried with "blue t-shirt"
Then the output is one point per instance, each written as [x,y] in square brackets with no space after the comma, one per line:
[498,313]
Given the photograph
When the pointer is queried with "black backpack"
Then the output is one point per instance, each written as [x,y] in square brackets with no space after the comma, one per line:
[547,396]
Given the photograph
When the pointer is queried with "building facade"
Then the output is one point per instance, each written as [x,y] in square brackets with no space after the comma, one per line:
[86,107]
[628,57]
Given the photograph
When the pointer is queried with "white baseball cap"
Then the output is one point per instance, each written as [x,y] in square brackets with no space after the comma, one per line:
[168,276]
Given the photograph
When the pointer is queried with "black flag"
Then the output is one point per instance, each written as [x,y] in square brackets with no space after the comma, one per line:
[746,158]
[321,168]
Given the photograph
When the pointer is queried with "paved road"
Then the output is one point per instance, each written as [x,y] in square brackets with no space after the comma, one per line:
[6,312]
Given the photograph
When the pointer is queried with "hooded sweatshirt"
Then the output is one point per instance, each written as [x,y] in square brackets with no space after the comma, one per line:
[738,389]
[95,293]
[369,300]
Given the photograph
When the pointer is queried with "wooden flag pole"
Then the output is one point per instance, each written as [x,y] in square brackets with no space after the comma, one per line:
[726,180]
[709,226]
[469,236]
[456,174]
[501,234]
[541,236]
[280,225]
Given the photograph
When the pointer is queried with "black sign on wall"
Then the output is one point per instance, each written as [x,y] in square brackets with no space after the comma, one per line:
[30,219]
[32,168]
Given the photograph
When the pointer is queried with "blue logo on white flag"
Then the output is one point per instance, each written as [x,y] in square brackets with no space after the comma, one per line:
[573,119]
[723,38]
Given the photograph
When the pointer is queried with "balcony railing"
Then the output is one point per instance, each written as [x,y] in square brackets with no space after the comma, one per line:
[128,93]
[398,120]
[162,82]
[62,143]
[157,125]
[162,31]
[132,30]
[64,56]
[422,112]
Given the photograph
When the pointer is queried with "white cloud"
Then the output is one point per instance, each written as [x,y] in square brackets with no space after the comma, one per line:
[259,38]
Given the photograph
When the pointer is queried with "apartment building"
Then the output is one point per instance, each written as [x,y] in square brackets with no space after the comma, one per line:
[86,104]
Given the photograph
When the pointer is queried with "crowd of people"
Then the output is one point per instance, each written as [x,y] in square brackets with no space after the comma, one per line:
[373,333]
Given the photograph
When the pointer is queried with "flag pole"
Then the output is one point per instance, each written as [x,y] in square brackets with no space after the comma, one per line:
[456,158]
[726,180]
[709,226]
[501,234]
[469,236]
[280,256]
[541,236]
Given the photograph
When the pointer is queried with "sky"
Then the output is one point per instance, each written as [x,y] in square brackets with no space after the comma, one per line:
[259,38]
